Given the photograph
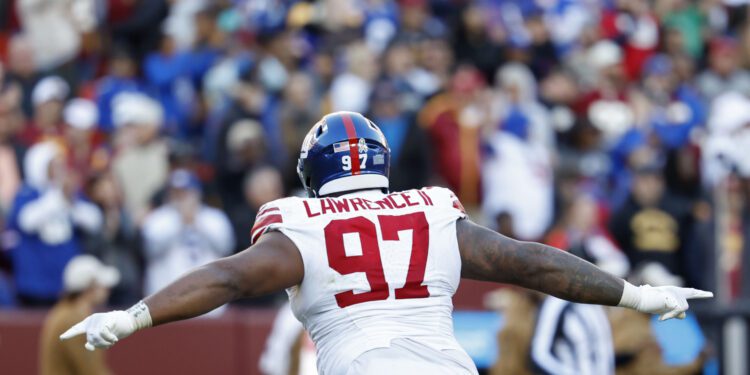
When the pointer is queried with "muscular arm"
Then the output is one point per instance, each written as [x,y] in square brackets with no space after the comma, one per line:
[270,265]
[489,256]
[274,263]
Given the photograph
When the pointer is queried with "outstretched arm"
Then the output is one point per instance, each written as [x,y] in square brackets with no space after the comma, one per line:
[489,256]
[270,265]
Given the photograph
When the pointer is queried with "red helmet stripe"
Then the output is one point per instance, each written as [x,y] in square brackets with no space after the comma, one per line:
[353,145]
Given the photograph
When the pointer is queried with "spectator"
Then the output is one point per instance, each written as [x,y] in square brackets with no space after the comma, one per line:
[181,23]
[474,42]
[580,233]
[582,160]
[351,90]
[607,103]
[517,95]
[569,21]
[725,147]
[724,72]
[49,216]
[436,56]
[243,149]
[417,22]
[118,242]
[518,154]
[137,25]
[261,186]
[637,25]
[53,31]
[540,54]
[301,106]
[651,225]
[686,18]
[87,283]
[140,161]
[48,98]
[168,73]
[413,82]
[675,110]
[183,233]
[453,120]
[410,157]
[249,100]
[83,144]
[277,56]
[121,78]
[21,69]
[209,44]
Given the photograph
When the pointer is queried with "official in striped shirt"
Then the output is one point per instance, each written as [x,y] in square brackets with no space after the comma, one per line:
[572,339]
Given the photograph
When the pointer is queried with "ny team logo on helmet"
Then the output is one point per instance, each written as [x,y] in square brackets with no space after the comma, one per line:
[344,151]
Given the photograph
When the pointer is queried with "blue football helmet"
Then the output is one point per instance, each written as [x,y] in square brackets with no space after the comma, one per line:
[344,151]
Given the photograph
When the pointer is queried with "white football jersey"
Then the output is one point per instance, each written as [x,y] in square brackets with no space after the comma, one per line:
[380,272]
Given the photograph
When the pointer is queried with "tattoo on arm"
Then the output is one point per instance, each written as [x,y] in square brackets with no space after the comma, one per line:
[489,256]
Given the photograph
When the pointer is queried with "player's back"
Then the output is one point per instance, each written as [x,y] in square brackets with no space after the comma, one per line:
[380,272]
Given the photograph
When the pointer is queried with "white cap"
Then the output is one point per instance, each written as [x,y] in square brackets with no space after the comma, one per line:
[604,53]
[730,111]
[131,108]
[613,118]
[49,88]
[84,270]
[81,114]
[243,131]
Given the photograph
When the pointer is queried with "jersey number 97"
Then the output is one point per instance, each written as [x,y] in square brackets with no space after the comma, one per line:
[369,262]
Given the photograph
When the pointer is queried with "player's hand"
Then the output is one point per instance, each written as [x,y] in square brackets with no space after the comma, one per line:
[103,330]
[667,301]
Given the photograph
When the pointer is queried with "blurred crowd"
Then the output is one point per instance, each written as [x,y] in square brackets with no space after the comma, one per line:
[148,132]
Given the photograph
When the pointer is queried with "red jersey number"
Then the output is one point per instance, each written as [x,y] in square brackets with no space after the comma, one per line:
[369,262]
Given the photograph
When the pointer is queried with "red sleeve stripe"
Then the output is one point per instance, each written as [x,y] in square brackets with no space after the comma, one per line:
[256,236]
[266,220]
[267,210]
[262,223]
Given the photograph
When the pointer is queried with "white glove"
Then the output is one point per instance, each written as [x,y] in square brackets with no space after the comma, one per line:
[105,329]
[667,301]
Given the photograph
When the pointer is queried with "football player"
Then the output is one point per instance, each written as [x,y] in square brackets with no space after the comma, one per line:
[370,273]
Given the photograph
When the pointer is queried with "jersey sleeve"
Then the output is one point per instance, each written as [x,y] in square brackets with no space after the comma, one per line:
[445,198]
[268,217]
